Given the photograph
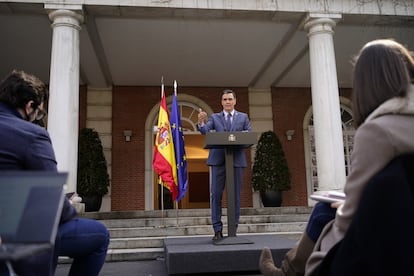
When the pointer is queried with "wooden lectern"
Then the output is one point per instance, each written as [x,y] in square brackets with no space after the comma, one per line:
[230,141]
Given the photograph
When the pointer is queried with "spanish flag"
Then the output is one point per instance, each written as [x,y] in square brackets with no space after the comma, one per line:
[164,158]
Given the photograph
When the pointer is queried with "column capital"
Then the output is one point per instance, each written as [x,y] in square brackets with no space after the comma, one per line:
[66,17]
[321,23]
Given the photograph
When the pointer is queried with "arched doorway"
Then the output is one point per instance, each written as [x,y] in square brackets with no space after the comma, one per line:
[198,194]
[348,132]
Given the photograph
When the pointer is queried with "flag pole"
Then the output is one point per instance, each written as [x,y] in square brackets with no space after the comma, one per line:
[176,213]
[160,180]
[162,198]
[176,202]
[162,86]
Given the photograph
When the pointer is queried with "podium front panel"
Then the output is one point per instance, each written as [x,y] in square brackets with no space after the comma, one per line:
[230,139]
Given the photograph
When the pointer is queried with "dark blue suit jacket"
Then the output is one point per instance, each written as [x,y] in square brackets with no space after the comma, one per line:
[26,146]
[216,122]
[380,239]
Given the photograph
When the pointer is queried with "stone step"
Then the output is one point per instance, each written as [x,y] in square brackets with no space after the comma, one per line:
[158,242]
[134,254]
[194,213]
[133,232]
[130,243]
[191,221]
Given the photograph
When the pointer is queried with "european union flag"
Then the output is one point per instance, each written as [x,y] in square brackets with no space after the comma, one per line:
[178,141]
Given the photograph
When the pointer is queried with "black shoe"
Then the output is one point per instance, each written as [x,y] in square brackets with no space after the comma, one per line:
[218,236]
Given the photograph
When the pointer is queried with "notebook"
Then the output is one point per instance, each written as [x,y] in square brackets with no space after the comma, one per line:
[30,207]
[328,196]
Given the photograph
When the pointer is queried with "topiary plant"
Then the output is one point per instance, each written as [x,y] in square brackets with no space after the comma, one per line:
[93,178]
[270,170]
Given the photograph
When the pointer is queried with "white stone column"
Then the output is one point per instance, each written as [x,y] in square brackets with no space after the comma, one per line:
[63,110]
[326,105]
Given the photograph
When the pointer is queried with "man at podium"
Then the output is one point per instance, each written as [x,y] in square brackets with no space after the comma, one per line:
[228,120]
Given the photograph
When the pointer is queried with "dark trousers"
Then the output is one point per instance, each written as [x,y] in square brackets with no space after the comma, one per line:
[218,180]
[84,240]
[322,213]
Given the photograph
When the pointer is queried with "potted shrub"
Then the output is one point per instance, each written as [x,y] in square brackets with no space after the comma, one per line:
[93,178]
[270,172]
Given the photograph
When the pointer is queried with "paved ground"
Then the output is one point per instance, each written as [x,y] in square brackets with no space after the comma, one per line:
[138,268]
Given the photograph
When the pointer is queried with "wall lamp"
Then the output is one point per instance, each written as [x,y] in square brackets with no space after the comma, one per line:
[127,134]
[289,134]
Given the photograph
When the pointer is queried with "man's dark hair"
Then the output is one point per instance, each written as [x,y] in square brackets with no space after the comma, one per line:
[229,91]
[383,70]
[18,88]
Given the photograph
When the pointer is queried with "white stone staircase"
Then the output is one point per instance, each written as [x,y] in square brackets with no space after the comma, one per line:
[139,235]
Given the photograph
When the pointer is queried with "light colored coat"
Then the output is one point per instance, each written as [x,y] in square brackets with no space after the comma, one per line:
[385,134]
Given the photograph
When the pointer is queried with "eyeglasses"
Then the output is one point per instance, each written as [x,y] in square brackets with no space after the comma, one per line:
[40,114]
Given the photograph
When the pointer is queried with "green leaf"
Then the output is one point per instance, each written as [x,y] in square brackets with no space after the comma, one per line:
[93,178]
[270,169]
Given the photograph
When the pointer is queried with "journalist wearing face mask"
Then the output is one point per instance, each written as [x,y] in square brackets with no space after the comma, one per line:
[27,146]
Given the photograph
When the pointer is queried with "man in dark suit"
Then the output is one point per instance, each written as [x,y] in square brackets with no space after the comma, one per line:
[229,120]
[27,146]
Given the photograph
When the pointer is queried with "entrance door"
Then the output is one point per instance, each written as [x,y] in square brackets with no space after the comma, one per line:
[198,193]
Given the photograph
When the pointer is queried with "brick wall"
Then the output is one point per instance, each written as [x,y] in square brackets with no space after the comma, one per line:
[131,106]
[289,108]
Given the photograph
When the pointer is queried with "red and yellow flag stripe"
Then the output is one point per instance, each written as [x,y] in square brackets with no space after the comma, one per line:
[164,158]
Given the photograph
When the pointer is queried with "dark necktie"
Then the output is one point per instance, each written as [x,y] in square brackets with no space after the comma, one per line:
[228,122]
